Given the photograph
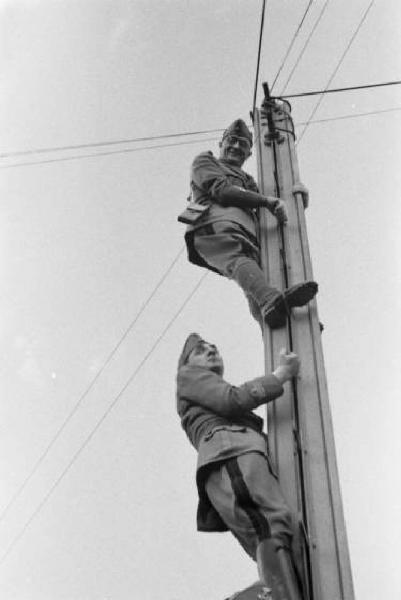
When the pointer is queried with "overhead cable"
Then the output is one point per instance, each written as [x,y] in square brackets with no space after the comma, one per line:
[109,153]
[294,37]
[89,387]
[319,18]
[176,134]
[357,30]
[255,89]
[343,89]
[156,147]
[350,116]
[149,138]
[101,420]
[354,116]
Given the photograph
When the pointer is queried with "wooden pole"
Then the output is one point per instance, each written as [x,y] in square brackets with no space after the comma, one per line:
[300,430]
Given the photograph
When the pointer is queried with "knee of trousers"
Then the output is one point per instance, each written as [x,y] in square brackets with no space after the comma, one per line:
[222,260]
[236,263]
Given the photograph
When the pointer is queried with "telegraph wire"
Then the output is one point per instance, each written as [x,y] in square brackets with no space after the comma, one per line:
[357,30]
[304,47]
[169,135]
[343,117]
[343,89]
[294,37]
[262,21]
[101,420]
[109,153]
[150,138]
[213,139]
[90,386]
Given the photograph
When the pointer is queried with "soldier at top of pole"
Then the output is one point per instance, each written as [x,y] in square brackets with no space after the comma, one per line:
[222,232]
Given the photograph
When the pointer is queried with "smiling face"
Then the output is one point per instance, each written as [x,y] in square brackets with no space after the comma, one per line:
[207,356]
[235,149]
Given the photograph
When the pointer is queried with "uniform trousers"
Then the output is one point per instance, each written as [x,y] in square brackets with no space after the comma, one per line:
[232,251]
[248,498]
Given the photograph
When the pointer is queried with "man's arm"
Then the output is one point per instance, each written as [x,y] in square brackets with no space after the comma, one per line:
[260,388]
[209,390]
[234,195]
[227,190]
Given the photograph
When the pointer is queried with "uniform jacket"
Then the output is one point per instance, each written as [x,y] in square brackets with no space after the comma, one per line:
[209,177]
[218,420]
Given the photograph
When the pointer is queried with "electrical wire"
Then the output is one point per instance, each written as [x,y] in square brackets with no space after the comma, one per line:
[255,89]
[170,135]
[294,37]
[107,143]
[319,18]
[214,139]
[109,153]
[101,420]
[89,387]
[357,30]
[343,89]
[343,117]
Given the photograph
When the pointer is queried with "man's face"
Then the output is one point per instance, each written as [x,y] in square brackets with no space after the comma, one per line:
[235,150]
[207,356]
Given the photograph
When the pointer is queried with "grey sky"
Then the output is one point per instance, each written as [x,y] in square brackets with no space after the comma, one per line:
[85,241]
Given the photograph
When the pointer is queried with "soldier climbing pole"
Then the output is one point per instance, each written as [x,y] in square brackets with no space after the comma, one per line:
[300,428]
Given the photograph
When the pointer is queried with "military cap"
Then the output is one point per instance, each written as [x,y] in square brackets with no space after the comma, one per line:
[189,345]
[239,129]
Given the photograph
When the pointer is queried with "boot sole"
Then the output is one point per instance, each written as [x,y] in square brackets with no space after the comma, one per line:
[300,294]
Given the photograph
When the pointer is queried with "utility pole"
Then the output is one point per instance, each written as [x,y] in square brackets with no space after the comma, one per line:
[299,424]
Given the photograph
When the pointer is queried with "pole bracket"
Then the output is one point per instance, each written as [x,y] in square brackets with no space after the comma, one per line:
[269,106]
[299,188]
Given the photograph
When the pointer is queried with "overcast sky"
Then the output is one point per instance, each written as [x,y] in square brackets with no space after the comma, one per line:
[85,240]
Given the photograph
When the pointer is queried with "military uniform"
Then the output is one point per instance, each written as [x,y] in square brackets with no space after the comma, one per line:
[238,490]
[224,238]
[209,176]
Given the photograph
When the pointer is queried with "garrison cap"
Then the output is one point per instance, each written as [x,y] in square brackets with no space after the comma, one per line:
[239,129]
[189,345]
